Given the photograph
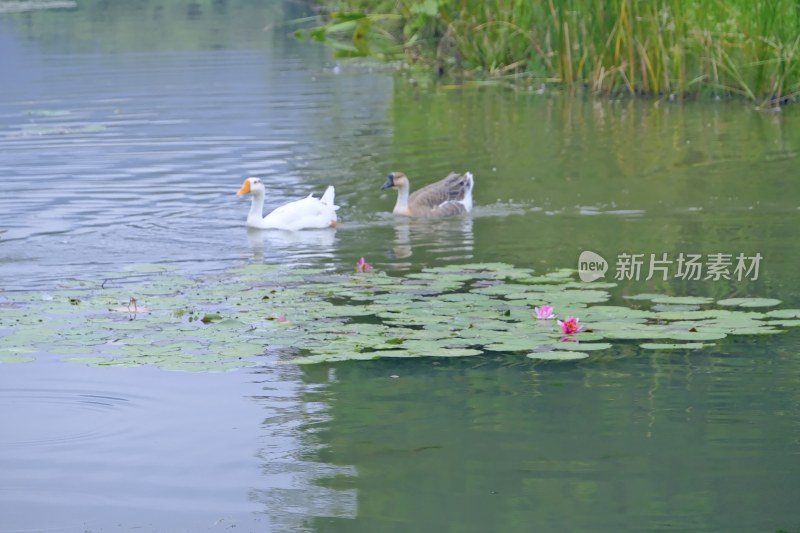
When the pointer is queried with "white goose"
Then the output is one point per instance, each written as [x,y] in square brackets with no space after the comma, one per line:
[308,213]
[449,196]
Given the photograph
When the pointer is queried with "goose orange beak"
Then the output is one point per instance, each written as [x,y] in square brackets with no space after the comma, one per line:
[245,188]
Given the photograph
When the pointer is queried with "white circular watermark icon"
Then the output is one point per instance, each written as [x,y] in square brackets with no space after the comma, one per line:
[591,266]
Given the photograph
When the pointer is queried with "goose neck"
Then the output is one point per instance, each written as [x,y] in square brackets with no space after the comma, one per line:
[401,206]
[256,208]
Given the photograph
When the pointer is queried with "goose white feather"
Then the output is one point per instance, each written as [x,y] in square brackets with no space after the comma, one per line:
[449,196]
[308,213]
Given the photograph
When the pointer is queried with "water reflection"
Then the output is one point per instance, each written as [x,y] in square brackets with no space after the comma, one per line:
[293,485]
[298,244]
[449,239]
[565,447]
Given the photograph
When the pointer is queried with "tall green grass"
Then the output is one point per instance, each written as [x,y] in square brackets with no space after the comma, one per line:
[652,47]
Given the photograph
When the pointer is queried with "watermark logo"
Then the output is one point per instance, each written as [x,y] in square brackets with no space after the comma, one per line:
[685,266]
[591,266]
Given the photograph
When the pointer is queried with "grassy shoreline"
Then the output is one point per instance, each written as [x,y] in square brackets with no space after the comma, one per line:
[658,48]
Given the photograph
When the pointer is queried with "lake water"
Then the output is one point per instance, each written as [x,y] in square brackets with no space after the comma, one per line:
[125,132]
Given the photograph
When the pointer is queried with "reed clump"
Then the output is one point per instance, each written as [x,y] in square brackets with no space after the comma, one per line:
[644,47]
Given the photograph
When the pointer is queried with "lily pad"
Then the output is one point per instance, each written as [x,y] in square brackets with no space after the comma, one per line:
[749,302]
[784,313]
[14,358]
[233,318]
[441,352]
[674,346]
[516,345]
[694,335]
[674,308]
[583,346]
[687,315]
[560,355]
[766,330]
[789,323]
[325,357]
[104,361]
[644,296]
[682,300]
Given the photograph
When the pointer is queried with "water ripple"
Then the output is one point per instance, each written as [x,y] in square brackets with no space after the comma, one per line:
[61,416]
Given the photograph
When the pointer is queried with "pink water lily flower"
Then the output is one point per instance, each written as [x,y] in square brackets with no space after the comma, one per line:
[570,325]
[363,266]
[544,312]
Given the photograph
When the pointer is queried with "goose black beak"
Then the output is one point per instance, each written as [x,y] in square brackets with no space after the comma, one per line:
[389,182]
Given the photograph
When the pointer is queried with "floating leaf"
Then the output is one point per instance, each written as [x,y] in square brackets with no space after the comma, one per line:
[583,346]
[441,352]
[501,289]
[562,273]
[517,345]
[687,315]
[749,302]
[594,285]
[682,300]
[674,308]
[237,350]
[325,357]
[755,331]
[674,346]
[558,355]
[229,320]
[784,313]
[784,323]
[693,335]
[644,296]
[104,361]
[15,358]
[609,312]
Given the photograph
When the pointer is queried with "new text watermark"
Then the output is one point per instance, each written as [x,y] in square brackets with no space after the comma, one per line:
[685,266]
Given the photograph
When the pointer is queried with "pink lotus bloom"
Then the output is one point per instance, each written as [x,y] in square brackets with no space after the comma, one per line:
[570,325]
[544,312]
[363,266]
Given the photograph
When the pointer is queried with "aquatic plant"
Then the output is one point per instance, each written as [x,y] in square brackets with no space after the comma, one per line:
[656,47]
[544,312]
[362,266]
[570,326]
[258,314]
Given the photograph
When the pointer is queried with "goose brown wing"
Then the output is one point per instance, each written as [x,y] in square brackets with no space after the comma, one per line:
[448,209]
[449,189]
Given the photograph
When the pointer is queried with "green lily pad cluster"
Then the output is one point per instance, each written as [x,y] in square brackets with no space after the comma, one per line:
[152,316]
